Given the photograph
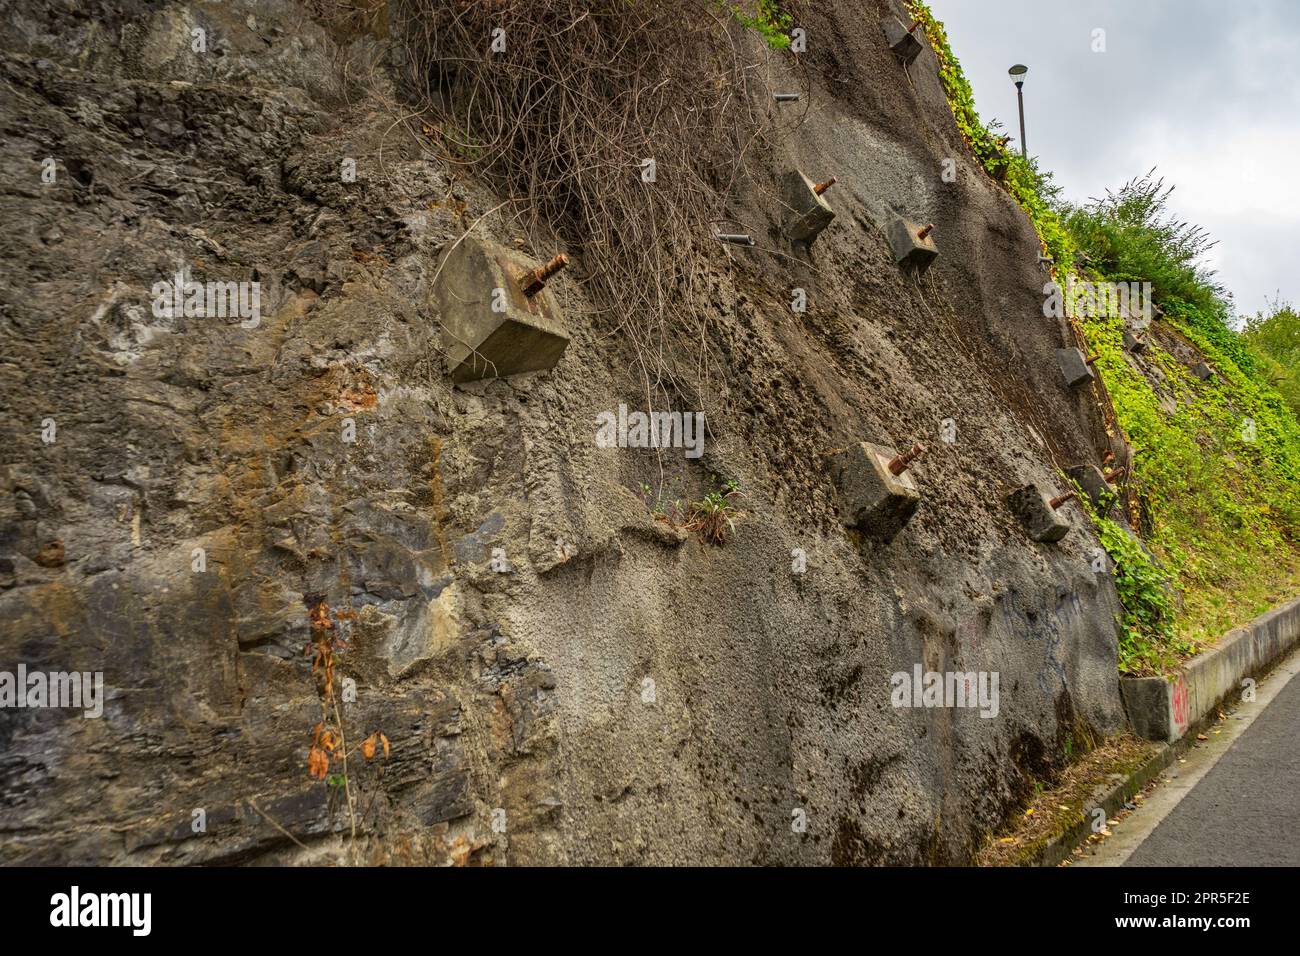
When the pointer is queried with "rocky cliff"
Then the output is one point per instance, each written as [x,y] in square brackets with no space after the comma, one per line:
[562,677]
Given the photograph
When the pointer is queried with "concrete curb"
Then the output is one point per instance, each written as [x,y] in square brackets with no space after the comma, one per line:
[1160,709]
[1207,681]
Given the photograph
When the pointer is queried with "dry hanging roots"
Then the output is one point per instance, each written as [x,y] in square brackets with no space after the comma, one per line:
[559,104]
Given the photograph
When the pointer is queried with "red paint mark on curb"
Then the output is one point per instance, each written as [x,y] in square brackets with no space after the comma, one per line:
[1179,706]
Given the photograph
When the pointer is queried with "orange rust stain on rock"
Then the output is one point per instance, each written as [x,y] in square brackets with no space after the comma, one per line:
[358,399]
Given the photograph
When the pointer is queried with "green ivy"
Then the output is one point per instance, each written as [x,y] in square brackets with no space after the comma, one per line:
[1148,643]
[768,20]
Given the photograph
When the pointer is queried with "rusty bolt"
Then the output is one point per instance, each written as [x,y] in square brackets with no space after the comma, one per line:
[915,24]
[1061,499]
[822,187]
[900,462]
[926,231]
[1115,473]
[1090,359]
[535,281]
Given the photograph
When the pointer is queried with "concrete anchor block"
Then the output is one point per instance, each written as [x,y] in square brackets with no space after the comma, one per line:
[1203,371]
[1037,514]
[806,212]
[875,500]
[1093,482]
[490,327]
[1138,319]
[1134,342]
[1074,367]
[902,41]
[912,245]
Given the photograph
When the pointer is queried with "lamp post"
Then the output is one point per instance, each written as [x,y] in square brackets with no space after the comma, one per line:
[1017,73]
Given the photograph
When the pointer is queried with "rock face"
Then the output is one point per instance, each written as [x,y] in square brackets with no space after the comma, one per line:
[562,677]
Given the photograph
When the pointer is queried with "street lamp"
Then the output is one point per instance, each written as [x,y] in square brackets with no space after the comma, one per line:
[1017,73]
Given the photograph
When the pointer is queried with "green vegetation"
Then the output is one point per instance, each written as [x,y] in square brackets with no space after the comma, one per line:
[767,19]
[1129,236]
[1275,339]
[1217,462]
[712,517]
[1151,643]
[715,515]
[1216,470]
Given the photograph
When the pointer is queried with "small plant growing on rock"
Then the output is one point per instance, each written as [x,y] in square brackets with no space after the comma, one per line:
[715,515]
[712,517]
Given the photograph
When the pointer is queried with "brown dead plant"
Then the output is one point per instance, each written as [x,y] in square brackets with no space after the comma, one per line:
[563,105]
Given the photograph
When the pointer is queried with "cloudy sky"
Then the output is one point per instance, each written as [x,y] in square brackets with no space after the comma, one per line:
[1207,92]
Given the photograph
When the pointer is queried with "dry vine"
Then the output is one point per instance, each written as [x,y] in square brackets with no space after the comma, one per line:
[560,109]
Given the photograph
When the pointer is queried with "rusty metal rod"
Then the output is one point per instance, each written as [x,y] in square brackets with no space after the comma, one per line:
[1090,359]
[822,187]
[535,281]
[1115,473]
[1062,499]
[900,462]
[915,24]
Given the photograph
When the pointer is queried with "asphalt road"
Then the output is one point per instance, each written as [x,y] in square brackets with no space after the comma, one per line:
[1245,811]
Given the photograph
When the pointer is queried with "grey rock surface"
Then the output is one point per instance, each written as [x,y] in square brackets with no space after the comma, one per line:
[624,693]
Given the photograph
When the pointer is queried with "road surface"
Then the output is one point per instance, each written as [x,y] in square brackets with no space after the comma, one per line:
[1235,798]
